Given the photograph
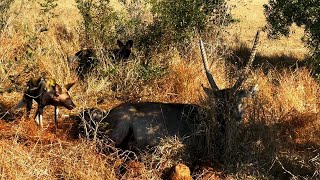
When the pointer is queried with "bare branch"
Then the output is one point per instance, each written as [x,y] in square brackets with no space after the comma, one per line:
[205,65]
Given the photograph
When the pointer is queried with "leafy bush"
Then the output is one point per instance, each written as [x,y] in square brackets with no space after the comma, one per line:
[152,24]
[102,24]
[178,20]
[46,13]
[304,13]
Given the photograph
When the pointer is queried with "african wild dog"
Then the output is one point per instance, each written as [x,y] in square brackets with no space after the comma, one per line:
[148,122]
[45,92]
[87,58]
[123,51]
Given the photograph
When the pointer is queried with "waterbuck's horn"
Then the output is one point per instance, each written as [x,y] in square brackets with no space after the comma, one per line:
[205,65]
[244,75]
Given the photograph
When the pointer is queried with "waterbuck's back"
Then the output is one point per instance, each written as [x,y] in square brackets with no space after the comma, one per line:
[148,122]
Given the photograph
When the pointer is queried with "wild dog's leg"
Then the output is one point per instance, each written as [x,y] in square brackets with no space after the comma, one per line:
[38,117]
[29,106]
[21,103]
[56,111]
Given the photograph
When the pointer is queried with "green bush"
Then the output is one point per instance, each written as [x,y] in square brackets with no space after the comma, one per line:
[102,25]
[152,24]
[178,20]
[304,13]
[46,13]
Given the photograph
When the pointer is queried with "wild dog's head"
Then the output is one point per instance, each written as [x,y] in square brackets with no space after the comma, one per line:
[124,50]
[55,95]
[62,96]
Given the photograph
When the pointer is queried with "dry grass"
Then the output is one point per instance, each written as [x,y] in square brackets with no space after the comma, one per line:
[60,160]
[282,122]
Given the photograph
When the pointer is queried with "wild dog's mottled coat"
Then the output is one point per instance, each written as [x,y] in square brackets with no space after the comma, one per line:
[45,92]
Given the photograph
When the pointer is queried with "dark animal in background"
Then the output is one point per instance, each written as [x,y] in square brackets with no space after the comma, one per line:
[45,92]
[123,52]
[148,122]
[87,58]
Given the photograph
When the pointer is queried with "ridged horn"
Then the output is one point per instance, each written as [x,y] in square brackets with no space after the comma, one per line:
[205,65]
[244,75]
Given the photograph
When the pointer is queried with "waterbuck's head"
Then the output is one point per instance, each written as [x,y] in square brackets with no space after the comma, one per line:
[228,102]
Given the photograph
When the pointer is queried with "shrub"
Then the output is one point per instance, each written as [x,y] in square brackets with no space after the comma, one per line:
[46,13]
[178,20]
[304,13]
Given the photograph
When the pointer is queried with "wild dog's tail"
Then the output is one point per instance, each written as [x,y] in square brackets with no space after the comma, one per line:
[20,104]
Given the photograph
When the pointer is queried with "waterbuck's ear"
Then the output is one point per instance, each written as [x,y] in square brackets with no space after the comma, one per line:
[69,85]
[247,93]
[208,91]
[129,43]
[120,43]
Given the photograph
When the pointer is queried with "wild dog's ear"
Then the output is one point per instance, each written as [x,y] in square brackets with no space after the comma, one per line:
[69,85]
[120,43]
[129,43]
[57,89]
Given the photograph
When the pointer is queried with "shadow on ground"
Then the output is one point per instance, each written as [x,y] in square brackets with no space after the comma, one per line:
[284,149]
[240,57]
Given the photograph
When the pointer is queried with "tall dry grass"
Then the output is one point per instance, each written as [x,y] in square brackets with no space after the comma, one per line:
[60,160]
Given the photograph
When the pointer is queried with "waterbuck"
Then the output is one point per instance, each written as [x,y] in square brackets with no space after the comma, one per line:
[87,58]
[148,122]
[45,92]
